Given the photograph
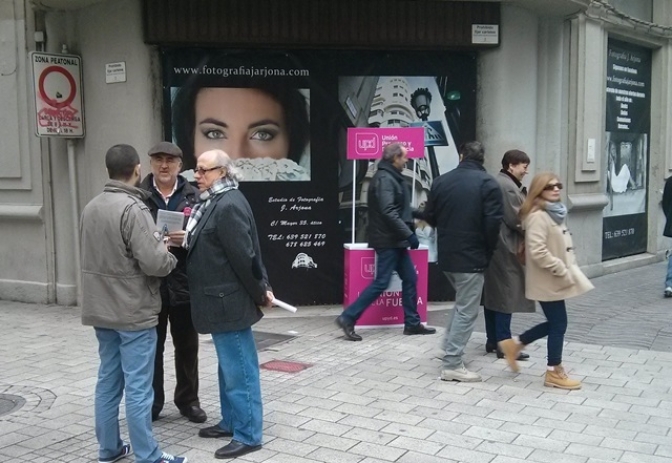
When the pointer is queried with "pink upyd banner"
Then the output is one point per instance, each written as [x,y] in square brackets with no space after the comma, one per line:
[387,310]
[368,143]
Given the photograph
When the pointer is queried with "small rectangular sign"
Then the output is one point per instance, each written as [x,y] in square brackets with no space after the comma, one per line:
[485,33]
[57,80]
[368,142]
[115,72]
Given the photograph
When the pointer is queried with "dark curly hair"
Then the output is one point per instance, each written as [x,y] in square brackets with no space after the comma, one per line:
[291,100]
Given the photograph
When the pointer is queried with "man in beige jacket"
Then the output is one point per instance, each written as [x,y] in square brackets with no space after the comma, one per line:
[123,254]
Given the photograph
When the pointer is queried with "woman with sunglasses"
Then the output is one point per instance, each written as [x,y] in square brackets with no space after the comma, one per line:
[551,276]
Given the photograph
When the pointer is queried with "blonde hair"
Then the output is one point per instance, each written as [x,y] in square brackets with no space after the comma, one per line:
[533,201]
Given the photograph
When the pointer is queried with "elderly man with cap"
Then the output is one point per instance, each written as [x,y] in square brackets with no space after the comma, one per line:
[172,192]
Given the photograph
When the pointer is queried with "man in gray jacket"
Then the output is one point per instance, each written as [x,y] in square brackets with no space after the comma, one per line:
[122,257]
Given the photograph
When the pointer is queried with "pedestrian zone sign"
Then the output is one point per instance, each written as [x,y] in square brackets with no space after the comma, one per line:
[57,81]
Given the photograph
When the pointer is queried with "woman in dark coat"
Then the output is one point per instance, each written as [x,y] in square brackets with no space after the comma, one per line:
[504,287]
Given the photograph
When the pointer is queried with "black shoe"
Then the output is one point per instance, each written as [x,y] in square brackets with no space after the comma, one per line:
[490,348]
[348,329]
[235,449]
[213,432]
[420,329]
[156,412]
[521,356]
[194,413]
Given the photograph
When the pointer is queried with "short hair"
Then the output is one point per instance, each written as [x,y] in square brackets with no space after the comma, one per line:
[391,151]
[224,160]
[513,158]
[121,161]
[292,101]
[473,150]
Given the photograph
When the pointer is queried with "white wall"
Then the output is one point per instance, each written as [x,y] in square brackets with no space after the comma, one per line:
[507,89]
[128,112]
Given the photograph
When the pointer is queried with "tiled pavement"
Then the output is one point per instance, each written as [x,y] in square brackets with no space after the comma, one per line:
[380,400]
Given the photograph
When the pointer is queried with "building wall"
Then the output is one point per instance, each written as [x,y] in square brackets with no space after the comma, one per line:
[541,90]
[128,112]
[23,266]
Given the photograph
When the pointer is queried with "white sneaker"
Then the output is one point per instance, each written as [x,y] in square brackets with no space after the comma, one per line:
[460,374]
[668,292]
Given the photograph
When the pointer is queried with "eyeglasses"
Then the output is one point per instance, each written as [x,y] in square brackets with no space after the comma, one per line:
[553,186]
[202,171]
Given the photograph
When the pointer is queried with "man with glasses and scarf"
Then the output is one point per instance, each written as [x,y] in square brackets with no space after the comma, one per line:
[228,284]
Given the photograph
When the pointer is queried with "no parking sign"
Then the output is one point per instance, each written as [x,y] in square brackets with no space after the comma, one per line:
[58,95]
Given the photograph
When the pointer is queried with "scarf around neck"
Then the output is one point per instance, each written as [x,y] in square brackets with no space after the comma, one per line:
[557,211]
[217,188]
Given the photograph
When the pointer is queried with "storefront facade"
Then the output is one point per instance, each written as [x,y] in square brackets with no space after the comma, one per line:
[582,87]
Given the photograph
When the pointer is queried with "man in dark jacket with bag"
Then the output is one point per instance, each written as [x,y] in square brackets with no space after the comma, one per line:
[171,191]
[465,206]
[390,233]
[667,210]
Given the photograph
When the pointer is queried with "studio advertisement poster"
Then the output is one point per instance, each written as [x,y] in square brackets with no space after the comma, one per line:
[283,117]
[628,122]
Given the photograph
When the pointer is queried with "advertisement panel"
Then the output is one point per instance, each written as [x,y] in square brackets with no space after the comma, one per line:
[628,121]
[283,116]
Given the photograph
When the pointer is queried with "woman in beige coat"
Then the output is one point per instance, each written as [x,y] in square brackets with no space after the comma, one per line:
[551,275]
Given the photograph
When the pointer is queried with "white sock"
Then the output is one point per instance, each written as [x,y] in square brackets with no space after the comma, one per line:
[516,339]
[550,368]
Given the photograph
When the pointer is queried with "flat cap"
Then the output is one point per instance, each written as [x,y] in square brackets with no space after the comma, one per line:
[166,148]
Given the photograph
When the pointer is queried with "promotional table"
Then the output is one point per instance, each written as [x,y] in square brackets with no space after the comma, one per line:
[387,310]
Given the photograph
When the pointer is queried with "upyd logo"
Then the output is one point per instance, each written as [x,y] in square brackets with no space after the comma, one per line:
[367,143]
[368,269]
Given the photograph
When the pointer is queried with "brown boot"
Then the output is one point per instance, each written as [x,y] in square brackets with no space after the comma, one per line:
[511,350]
[558,378]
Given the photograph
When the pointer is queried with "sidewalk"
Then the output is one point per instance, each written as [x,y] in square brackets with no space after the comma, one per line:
[379,400]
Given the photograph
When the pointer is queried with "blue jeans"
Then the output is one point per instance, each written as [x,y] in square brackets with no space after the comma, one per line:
[668,277]
[389,260]
[497,326]
[239,385]
[461,320]
[126,368]
[554,328]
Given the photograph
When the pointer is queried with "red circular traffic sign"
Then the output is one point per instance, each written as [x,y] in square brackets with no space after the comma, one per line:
[71,80]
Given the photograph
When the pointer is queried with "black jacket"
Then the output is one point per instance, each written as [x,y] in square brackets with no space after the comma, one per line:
[174,287]
[667,207]
[465,206]
[227,277]
[390,217]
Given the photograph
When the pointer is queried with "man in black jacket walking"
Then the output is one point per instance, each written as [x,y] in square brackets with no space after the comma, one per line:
[171,191]
[390,233]
[667,210]
[465,206]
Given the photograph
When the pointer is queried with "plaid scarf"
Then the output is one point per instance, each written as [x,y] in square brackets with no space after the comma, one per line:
[217,188]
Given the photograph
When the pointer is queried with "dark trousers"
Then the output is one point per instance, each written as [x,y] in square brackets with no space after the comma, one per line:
[497,326]
[387,261]
[555,328]
[185,341]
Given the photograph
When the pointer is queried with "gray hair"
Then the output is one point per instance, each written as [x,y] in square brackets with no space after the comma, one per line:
[225,161]
[391,151]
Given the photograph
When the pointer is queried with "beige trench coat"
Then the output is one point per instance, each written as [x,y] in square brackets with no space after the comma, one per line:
[551,272]
[504,288]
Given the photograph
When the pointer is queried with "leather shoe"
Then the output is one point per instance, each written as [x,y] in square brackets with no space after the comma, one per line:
[348,329]
[490,348]
[420,329]
[521,356]
[156,412]
[235,449]
[214,432]
[194,413]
